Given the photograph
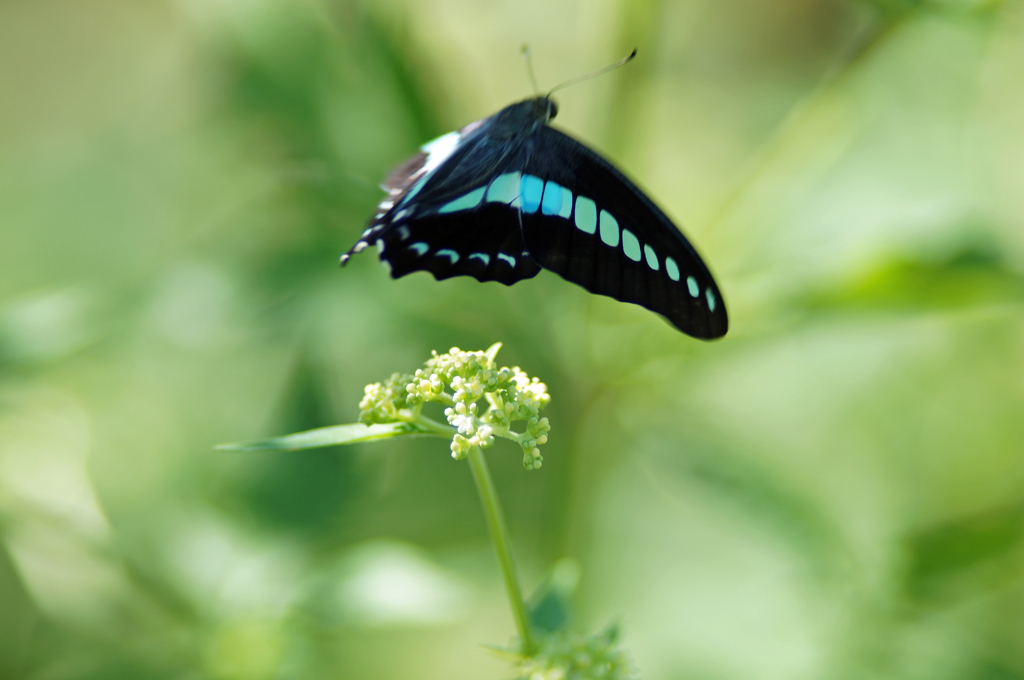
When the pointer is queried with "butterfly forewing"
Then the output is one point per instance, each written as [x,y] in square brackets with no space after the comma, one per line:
[456,219]
[614,241]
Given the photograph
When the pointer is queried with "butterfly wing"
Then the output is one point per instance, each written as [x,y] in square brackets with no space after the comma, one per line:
[452,211]
[594,227]
[496,206]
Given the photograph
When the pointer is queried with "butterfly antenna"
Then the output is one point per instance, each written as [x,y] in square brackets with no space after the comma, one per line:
[529,68]
[594,74]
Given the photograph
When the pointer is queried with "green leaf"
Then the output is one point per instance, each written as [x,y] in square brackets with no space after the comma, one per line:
[938,555]
[329,436]
[549,606]
[969,277]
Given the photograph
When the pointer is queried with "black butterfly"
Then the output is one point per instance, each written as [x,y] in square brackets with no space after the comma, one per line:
[507,195]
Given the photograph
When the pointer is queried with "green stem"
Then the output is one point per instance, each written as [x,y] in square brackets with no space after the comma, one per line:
[437,428]
[499,534]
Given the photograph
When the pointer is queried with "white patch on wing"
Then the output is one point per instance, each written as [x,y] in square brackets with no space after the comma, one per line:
[438,150]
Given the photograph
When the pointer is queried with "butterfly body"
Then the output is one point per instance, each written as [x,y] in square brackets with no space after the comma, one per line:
[508,195]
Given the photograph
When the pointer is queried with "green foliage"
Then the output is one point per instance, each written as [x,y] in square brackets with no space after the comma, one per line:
[571,656]
[941,559]
[550,604]
[331,436]
[968,278]
[831,491]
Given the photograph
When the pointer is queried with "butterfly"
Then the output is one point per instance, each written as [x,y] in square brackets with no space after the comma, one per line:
[508,195]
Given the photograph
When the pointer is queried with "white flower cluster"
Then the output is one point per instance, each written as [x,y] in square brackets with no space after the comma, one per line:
[566,655]
[511,396]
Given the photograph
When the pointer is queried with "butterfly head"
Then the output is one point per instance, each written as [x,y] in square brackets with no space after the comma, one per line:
[522,118]
[544,108]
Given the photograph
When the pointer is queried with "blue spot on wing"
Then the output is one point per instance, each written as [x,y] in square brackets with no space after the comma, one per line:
[504,189]
[464,202]
[609,229]
[420,183]
[672,268]
[652,257]
[630,244]
[530,190]
[552,203]
[586,215]
[566,204]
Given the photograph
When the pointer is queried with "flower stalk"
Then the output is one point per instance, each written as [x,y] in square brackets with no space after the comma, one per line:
[502,545]
[460,381]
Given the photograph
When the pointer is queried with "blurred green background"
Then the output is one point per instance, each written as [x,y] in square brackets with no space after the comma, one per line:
[835,490]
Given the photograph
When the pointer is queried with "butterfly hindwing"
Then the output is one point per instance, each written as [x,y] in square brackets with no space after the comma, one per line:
[484,242]
[459,218]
